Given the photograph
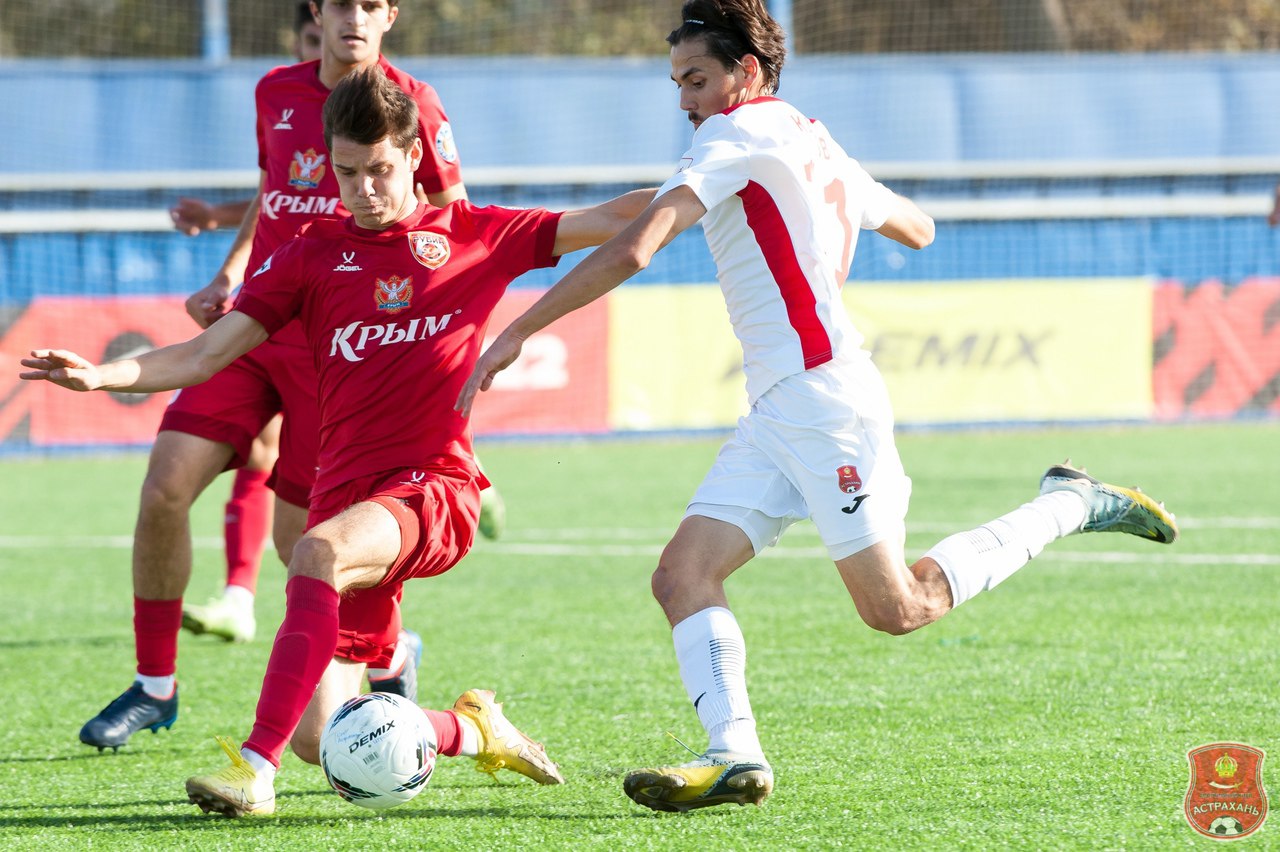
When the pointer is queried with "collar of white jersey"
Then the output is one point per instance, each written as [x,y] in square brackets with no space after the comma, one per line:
[763,99]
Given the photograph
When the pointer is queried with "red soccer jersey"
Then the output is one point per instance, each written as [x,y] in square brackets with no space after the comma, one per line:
[395,320]
[300,185]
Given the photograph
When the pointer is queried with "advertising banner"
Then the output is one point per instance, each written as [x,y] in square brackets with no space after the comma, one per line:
[560,383]
[965,351]
[102,329]
[1217,349]
[1017,350]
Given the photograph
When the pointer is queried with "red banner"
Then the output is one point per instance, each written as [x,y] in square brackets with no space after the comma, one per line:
[561,382]
[101,329]
[1217,349]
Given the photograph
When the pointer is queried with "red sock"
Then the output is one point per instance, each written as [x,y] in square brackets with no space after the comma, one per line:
[155,635]
[302,650]
[248,523]
[448,731]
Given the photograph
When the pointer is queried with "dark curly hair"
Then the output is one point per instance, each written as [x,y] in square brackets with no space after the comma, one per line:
[732,29]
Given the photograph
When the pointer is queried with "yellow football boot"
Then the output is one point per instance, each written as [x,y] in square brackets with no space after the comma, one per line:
[502,745]
[234,791]
[1111,507]
[716,778]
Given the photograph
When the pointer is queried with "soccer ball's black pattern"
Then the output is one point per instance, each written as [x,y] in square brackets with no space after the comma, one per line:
[1225,826]
[378,750]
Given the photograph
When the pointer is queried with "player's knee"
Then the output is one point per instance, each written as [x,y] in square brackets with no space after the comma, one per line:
[313,556]
[164,494]
[667,583]
[891,617]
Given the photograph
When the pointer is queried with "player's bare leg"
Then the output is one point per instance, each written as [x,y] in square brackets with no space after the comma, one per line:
[689,585]
[289,525]
[341,681]
[246,525]
[181,466]
[891,596]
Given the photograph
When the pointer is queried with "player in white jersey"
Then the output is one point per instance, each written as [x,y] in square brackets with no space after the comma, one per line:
[781,205]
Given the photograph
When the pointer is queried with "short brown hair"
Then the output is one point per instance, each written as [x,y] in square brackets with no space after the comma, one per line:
[366,108]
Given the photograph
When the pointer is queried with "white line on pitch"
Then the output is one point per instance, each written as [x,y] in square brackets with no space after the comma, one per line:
[782,552]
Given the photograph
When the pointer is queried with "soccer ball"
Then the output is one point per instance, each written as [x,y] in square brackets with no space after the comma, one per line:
[1225,826]
[378,750]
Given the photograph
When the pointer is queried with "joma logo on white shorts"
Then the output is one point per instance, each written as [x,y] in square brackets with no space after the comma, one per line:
[276,202]
[356,337]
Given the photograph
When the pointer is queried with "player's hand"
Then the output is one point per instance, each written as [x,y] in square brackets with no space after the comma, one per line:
[501,354]
[63,368]
[1274,218]
[191,216]
[209,303]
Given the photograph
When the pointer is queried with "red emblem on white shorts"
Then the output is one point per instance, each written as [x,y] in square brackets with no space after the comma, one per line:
[429,249]
[849,479]
[1226,800]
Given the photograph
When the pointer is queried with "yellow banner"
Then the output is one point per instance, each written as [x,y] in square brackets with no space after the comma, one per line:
[969,351]
[1021,350]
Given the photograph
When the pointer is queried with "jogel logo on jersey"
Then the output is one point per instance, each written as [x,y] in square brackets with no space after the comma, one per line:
[1226,799]
[429,249]
[307,169]
[847,475]
[393,295]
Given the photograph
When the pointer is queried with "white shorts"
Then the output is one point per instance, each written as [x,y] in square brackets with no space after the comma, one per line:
[818,444]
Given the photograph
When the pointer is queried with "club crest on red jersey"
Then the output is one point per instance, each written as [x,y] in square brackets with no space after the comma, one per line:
[429,249]
[1225,799]
[307,169]
[393,295]
[847,475]
[445,147]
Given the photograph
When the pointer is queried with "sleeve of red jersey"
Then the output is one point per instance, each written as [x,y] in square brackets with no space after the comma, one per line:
[440,168]
[260,128]
[273,294]
[519,240]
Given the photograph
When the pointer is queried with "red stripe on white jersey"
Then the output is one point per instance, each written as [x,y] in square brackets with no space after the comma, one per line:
[766,223]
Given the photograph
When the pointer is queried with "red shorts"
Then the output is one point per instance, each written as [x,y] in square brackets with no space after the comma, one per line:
[235,404]
[437,511]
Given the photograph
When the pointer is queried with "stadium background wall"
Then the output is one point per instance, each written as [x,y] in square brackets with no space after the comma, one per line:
[1200,295]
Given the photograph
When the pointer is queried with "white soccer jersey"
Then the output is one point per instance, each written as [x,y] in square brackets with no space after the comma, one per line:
[784,206]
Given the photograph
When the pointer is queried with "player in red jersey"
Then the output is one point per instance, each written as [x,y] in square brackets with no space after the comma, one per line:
[394,302]
[210,428]
[248,513]
[229,615]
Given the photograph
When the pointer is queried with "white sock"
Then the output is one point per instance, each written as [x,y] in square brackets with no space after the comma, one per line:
[398,658]
[157,687]
[263,767]
[239,596]
[470,736]
[713,665]
[980,559]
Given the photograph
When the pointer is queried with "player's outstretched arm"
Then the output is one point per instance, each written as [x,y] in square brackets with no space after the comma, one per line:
[210,302]
[178,366]
[605,268]
[593,226]
[1274,218]
[908,225]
